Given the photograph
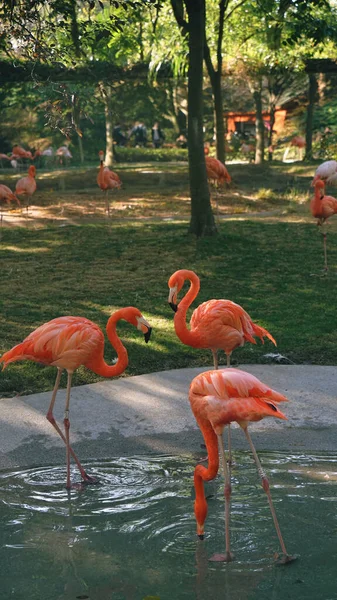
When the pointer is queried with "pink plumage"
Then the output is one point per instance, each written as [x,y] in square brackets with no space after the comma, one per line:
[27,185]
[7,195]
[217,171]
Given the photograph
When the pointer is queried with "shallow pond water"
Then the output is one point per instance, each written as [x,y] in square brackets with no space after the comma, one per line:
[133,536]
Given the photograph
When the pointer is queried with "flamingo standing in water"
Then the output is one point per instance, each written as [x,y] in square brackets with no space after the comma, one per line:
[215,324]
[67,343]
[107,180]
[322,207]
[217,398]
[27,185]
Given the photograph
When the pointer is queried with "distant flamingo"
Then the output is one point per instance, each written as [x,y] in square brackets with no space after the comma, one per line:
[26,186]
[7,195]
[4,157]
[64,154]
[215,324]
[322,207]
[218,398]
[67,343]
[216,174]
[216,171]
[296,142]
[248,150]
[20,152]
[107,180]
[327,172]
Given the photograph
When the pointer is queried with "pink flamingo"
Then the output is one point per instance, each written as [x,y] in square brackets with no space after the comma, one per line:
[67,343]
[6,195]
[27,185]
[107,180]
[327,172]
[215,324]
[218,398]
[322,208]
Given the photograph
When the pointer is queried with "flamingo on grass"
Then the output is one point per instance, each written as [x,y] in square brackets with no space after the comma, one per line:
[68,342]
[218,398]
[216,174]
[327,172]
[215,324]
[107,180]
[322,208]
[26,186]
[6,195]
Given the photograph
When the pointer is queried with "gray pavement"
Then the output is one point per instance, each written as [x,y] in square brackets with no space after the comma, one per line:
[150,414]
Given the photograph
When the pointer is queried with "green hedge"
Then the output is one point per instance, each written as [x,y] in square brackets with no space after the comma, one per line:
[150,154]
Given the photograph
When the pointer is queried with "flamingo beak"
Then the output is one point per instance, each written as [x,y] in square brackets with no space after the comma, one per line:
[147,335]
[172,299]
[145,327]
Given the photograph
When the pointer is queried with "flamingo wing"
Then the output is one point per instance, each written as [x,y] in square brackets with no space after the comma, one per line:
[228,395]
[65,342]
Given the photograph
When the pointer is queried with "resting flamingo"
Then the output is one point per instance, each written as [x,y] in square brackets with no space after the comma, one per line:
[218,398]
[7,195]
[215,324]
[68,342]
[327,172]
[322,207]
[27,185]
[107,180]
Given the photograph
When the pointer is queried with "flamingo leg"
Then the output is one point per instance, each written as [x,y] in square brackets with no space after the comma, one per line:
[107,206]
[229,426]
[228,556]
[265,484]
[86,478]
[67,428]
[325,252]
[215,359]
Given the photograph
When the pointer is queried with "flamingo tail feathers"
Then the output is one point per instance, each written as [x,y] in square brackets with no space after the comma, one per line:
[261,332]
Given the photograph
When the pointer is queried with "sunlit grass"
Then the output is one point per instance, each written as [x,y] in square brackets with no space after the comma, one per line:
[68,258]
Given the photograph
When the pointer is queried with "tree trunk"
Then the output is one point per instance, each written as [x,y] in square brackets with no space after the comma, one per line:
[80,148]
[219,121]
[270,134]
[108,127]
[202,220]
[259,127]
[310,115]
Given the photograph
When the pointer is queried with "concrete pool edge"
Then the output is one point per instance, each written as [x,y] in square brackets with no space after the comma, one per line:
[150,414]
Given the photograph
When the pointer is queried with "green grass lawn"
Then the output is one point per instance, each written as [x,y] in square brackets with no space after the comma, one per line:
[95,268]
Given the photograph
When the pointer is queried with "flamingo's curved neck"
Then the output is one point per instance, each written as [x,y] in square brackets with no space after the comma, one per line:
[202,473]
[317,199]
[100,366]
[184,334]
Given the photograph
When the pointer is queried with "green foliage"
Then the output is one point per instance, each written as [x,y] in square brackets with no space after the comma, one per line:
[151,154]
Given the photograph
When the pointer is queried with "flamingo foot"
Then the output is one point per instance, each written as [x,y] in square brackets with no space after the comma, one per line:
[88,480]
[227,557]
[284,559]
[81,485]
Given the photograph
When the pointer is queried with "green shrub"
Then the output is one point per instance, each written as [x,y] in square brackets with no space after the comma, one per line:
[150,154]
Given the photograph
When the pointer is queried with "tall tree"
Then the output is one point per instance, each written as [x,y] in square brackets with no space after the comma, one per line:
[202,219]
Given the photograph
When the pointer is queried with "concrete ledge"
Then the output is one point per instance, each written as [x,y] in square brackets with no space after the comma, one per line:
[151,414]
